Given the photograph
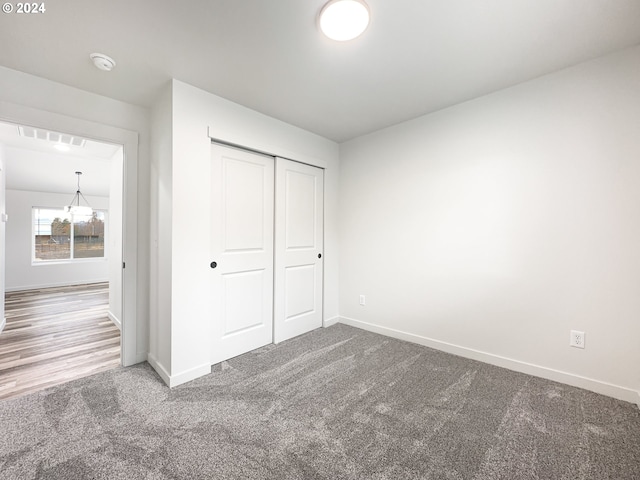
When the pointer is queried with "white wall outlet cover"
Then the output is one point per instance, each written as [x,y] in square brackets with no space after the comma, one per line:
[4,217]
[576,339]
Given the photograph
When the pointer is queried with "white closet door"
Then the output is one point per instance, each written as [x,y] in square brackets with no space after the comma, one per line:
[241,251]
[298,252]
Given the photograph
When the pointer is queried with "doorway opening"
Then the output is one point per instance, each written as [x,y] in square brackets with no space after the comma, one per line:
[63,270]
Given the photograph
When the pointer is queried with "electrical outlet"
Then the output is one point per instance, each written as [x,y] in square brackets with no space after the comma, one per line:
[576,339]
[362,300]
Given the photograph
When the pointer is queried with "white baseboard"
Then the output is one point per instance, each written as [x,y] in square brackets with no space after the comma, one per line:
[179,379]
[116,321]
[52,285]
[3,323]
[330,321]
[159,368]
[615,391]
[141,357]
[189,375]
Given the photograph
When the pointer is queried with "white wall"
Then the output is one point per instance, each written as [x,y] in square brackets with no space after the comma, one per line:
[20,273]
[194,112]
[115,238]
[29,91]
[2,234]
[492,228]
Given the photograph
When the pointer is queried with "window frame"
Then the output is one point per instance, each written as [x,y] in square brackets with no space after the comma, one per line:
[71,260]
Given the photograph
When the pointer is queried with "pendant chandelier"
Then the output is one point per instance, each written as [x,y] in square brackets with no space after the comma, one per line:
[74,208]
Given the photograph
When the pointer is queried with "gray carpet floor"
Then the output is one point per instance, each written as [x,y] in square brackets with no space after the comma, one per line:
[337,403]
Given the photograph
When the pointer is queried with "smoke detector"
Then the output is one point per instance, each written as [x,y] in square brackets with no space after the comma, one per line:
[102,61]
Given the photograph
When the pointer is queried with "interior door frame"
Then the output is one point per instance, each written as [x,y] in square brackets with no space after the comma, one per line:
[21,115]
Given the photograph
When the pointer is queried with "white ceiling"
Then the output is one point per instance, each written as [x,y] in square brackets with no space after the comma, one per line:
[35,165]
[417,56]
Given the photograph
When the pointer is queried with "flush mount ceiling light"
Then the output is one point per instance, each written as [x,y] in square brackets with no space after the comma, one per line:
[61,147]
[102,61]
[344,20]
[77,209]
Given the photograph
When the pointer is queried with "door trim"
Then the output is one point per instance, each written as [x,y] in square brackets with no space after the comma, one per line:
[19,114]
[267,150]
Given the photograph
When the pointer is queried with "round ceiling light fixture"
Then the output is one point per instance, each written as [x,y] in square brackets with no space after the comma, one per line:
[102,61]
[344,20]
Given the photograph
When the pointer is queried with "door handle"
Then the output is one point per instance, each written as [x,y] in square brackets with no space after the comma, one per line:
[213,264]
[319,255]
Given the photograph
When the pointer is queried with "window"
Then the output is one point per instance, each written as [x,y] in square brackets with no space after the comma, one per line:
[59,236]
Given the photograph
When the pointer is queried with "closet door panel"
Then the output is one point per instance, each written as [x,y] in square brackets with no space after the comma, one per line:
[242,206]
[298,249]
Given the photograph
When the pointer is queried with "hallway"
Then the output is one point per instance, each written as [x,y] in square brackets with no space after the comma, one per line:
[54,335]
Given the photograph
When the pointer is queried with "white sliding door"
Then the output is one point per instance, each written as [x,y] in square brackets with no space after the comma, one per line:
[298,252]
[242,207]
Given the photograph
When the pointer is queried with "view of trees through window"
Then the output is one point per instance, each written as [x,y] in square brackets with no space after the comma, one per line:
[61,236]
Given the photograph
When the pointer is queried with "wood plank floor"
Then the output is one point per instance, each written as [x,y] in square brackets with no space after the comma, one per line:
[54,335]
